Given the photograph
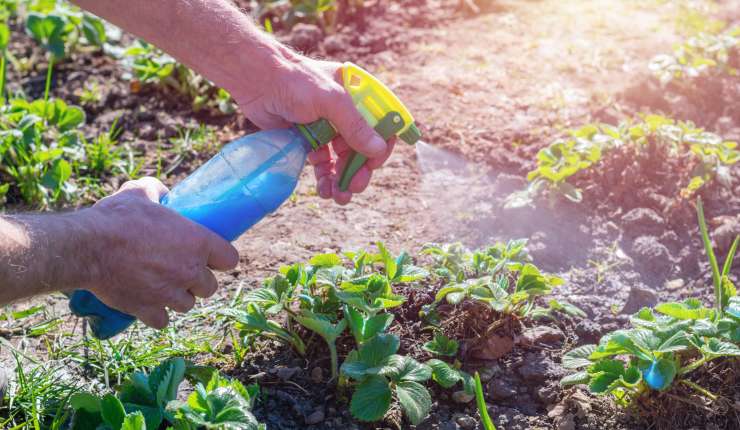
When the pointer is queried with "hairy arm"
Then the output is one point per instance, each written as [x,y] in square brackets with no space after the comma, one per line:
[133,253]
[274,86]
[35,254]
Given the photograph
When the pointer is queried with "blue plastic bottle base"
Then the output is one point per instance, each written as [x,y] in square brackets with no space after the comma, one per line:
[105,322]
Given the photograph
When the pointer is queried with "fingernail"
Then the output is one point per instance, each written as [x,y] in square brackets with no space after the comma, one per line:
[376,146]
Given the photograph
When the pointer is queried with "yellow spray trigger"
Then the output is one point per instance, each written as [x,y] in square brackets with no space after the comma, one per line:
[382,109]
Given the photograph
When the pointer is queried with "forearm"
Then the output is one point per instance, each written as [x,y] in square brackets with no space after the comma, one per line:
[210,36]
[44,253]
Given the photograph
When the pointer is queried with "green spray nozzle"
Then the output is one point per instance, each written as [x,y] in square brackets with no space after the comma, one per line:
[382,109]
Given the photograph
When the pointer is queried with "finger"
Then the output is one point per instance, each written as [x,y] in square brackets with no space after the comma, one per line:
[360,181]
[205,286]
[341,197]
[324,169]
[222,255]
[151,188]
[337,106]
[321,155]
[181,300]
[374,163]
[154,317]
[324,186]
[267,121]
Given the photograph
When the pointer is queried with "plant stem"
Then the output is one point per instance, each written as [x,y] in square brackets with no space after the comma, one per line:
[693,366]
[3,66]
[713,397]
[334,360]
[47,85]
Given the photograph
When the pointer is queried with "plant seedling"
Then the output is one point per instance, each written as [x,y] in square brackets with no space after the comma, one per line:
[380,374]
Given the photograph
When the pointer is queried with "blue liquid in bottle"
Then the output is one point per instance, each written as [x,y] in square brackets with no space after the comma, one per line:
[250,178]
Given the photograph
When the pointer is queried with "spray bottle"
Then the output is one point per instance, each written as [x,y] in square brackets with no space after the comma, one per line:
[252,176]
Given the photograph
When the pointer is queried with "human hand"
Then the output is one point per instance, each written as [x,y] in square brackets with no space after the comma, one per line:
[149,257]
[304,90]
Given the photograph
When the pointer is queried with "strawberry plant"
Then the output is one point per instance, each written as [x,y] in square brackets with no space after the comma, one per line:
[220,404]
[700,55]
[665,344]
[381,375]
[149,65]
[591,143]
[59,27]
[147,401]
[326,298]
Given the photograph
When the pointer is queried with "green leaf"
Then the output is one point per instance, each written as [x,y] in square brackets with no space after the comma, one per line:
[717,348]
[85,401]
[601,383]
[415,400]
[410,370]
[581,377]
[442,345]
[112,411]
[578,357]
[684,311]
[443,373]
[325,260]
[134,421]
[93,30]
[371,399]
[678,342]
[4,36]
[377,349]
[388,262]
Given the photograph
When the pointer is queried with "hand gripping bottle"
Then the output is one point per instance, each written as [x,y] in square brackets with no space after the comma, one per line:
[252,176]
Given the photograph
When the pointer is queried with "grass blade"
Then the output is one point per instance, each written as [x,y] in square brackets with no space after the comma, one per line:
[482,410]
[730,257]
[712,259]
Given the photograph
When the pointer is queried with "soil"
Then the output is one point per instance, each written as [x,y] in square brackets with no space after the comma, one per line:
[488,90]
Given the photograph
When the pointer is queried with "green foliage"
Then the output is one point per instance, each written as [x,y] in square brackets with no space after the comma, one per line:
[379,374]
[441,345]
[221,404]
[149,65]
[291,12]
[326,297]
[149,400]
[663,343]
[589,144]
[59,27]
[41,146]
[705,54]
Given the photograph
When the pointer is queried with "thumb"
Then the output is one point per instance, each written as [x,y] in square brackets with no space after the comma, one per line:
[337,107]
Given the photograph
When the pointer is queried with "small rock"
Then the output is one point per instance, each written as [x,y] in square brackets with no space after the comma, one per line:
[581,402]
[547,394]
[317,375]
[494,347]
[674,284]
[500,389]
[652,256]
[449,425]
[728,228]
[639,298]
[642,222]
[538,368]
[462,397]
[588,330]
[556,410]
[147,132]
[334,43]
[466,422]
[565,422]
[541,334]
[315,418]
[286,373]
[305,37]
